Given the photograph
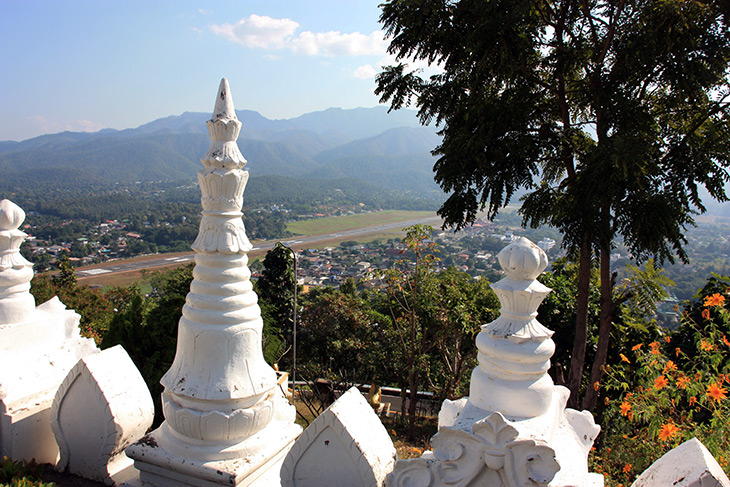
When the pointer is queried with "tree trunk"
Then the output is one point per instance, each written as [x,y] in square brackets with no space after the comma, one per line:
[577,361]
[604,330]
[412,403]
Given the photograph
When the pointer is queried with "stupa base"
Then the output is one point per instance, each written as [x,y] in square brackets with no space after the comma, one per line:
[478,447]
[161,468]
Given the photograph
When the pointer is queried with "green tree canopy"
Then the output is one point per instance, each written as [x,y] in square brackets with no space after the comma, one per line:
[275,289]
[612,114]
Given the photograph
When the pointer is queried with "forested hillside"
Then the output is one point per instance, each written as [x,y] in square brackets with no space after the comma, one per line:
[390,150]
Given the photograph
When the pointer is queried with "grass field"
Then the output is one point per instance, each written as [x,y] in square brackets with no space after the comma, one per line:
[333,224]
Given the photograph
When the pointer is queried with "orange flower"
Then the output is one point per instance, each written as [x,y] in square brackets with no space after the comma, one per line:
[631,415]
[627,468]
[625,407]
[716,392]
[706,314]
[725,341]
[654,348]
[596,385]
[707,346]
[667,339]
[667,431]
[683,382]
[636,347]
[624,358]
[692,401]
[677,351]
[716,299]
[660,382]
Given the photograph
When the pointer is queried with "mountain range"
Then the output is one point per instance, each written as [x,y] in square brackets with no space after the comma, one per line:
[391,150]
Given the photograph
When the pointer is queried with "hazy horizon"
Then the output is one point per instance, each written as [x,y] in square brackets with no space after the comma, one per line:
[86,65]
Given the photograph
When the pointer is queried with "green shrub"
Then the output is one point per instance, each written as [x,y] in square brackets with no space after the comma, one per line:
[21,474]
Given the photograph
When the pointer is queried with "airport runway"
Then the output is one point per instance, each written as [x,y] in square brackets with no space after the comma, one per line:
[299,242]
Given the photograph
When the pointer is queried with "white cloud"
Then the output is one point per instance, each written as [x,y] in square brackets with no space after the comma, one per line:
[260,32]
[366,71]
[257,31]
[334,43]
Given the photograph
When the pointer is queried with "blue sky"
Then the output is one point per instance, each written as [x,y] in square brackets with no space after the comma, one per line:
[83,65]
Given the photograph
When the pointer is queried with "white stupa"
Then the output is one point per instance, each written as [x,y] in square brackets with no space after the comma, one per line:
[226,420]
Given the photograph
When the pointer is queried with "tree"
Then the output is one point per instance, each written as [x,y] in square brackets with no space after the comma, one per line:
[341,334]
[612,114]
[147,327]
[461,306]
[636,296]
[275,289]
[94,308]
[406,290]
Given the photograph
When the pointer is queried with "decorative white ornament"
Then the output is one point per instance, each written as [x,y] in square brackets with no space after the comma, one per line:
[102,406]
[492,454]
[345,445]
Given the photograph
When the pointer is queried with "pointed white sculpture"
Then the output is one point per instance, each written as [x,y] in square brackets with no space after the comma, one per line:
[101,407]
[38,346]
[689,465]
[226,421]
[513,430]
[345,445]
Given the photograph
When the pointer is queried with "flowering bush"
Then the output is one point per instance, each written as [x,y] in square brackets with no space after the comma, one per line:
[669,391]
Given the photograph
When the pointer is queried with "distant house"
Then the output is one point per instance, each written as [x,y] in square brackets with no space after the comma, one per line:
[363,266]
[55,249]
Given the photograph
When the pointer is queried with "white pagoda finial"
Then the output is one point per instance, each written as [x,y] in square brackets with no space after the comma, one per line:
[16,302]
[515,349]
[11,215]
[224,109]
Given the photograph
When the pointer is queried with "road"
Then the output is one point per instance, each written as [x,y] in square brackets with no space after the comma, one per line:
[259,248]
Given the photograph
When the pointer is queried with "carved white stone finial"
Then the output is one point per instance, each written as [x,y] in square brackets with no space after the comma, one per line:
[16,302]
[522,259]
[11,215]
[515,349]
[224,109]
